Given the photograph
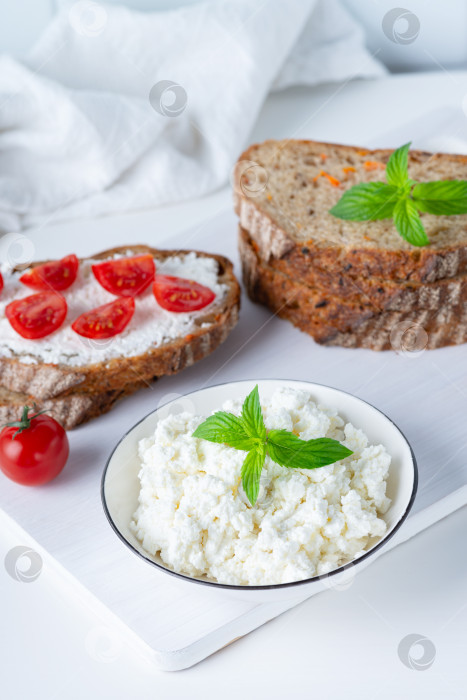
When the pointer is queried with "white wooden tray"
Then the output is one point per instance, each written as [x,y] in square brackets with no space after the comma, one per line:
[425,394]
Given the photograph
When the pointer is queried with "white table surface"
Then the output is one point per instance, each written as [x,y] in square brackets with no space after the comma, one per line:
[341,643]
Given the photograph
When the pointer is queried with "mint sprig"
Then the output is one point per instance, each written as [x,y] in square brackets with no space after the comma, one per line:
[288,450]
[248,432]
[402,199]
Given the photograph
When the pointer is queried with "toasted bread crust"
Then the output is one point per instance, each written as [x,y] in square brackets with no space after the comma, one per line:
[283,294]
[46,381]
[291,300]
[370,293]
[406,333]
[70,411]
[40,381]
[402,263]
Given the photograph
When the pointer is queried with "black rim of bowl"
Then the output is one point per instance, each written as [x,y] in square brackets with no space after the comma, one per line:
[274,586]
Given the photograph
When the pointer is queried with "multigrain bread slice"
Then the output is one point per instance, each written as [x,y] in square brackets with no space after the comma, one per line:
[311,309]
[382,295]
[406,333]
[396,330]
[367,293]
[280,292]
[283,192]
[70,411]
[25,372]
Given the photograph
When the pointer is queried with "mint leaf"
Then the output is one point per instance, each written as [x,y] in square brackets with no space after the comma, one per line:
[377,200]
[251,472]
[397,168]
[288,450]
[252,416]
[441,197]
[249,433]
[367,201]
[225,428]
[408,223]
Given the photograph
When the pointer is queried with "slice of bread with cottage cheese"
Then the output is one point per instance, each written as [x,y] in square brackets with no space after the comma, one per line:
[331,324]
[283,193]
[156,342]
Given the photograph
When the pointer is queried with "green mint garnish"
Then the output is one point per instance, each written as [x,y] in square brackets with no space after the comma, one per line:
[401,199]
[249,433]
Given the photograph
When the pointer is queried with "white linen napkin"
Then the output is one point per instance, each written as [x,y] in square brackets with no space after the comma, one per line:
[116,110]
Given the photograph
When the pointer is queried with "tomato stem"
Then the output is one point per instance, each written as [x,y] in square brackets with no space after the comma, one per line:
[25,421]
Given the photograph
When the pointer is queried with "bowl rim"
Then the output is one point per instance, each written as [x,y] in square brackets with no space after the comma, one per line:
[274,586]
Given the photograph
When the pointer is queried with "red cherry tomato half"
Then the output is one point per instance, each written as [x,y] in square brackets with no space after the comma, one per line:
[126,277]
[1,282]
[33,450]
[178,294]
[58,274]
[37,315]
[107,320]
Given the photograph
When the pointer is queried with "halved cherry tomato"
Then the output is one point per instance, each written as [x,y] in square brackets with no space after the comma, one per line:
[37,315]
[105,321]
[58,274]
[178,294]
[1,282]
[126,277]
[33,450]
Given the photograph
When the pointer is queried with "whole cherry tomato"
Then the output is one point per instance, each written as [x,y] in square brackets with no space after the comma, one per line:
[33,450]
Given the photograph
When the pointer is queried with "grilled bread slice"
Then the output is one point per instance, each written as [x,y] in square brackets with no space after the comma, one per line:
[396,330]
[95,368]
[284,190]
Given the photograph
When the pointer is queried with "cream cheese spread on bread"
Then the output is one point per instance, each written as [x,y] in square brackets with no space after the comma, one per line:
[151,326]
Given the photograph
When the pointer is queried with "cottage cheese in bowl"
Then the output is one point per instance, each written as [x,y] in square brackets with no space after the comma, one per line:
[194,514]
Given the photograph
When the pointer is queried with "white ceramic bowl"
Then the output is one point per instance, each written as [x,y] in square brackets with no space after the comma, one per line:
[120,484]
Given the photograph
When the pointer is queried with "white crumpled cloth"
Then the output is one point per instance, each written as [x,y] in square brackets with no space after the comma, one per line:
[116,110]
